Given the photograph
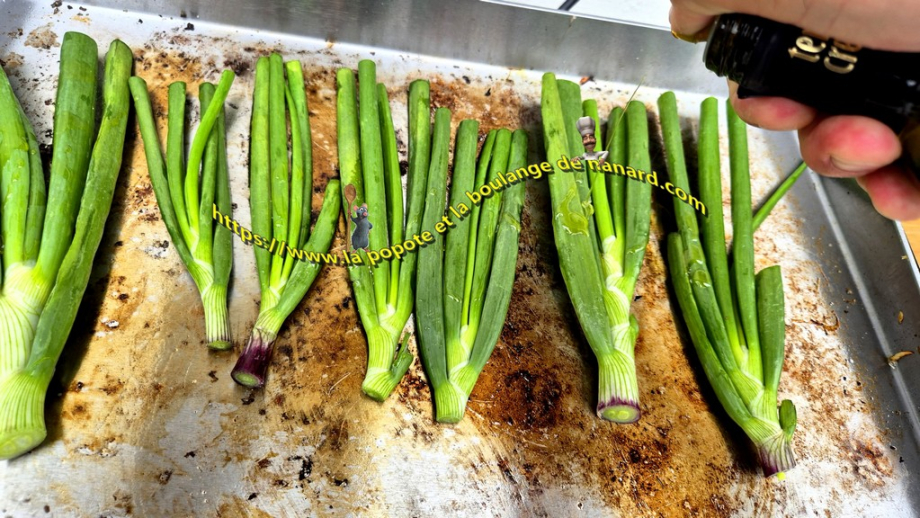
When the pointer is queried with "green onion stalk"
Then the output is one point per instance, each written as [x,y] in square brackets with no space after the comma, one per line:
[191,192]
[601,227]
[735,317]
[280,202]
[465,280]
[369,167]
[47,256]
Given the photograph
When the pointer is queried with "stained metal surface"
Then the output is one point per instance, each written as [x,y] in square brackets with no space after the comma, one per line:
[144,421]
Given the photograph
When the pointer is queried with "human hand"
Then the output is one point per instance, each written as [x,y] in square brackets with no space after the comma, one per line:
[832,145]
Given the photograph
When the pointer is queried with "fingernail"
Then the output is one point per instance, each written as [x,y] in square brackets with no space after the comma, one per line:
[703,35]
[850,167]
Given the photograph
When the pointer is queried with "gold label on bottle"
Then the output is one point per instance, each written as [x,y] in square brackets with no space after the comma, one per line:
[837,56]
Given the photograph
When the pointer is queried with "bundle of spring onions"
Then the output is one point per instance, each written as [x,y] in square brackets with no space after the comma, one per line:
[280,202]
[369,167]
[188,193]
[601,227]
[465,284]
[735,318]
[47,257]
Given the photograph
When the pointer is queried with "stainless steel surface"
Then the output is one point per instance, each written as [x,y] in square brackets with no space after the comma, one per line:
[144,421]
[643,13]
[466,30]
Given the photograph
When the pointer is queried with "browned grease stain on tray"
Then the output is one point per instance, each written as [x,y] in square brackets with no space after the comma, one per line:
[539,391]
[150,383]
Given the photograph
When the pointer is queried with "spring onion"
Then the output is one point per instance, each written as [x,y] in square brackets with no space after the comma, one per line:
[47,258]
[369,167]
[187,195]
[281,187]
[601,228]
[735,318]
[465,280]
[777,195]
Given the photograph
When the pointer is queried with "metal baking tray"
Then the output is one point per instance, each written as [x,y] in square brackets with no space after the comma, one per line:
[144,421]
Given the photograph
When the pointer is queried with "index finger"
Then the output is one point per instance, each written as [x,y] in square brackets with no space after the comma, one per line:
[691,19]
[689,24]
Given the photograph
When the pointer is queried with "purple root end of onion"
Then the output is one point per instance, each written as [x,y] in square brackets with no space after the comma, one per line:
[772,463]
[252,366]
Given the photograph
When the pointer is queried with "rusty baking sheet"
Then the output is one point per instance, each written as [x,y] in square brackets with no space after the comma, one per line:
[145,421]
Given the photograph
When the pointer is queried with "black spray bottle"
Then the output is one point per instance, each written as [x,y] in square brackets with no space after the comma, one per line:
[768,58]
